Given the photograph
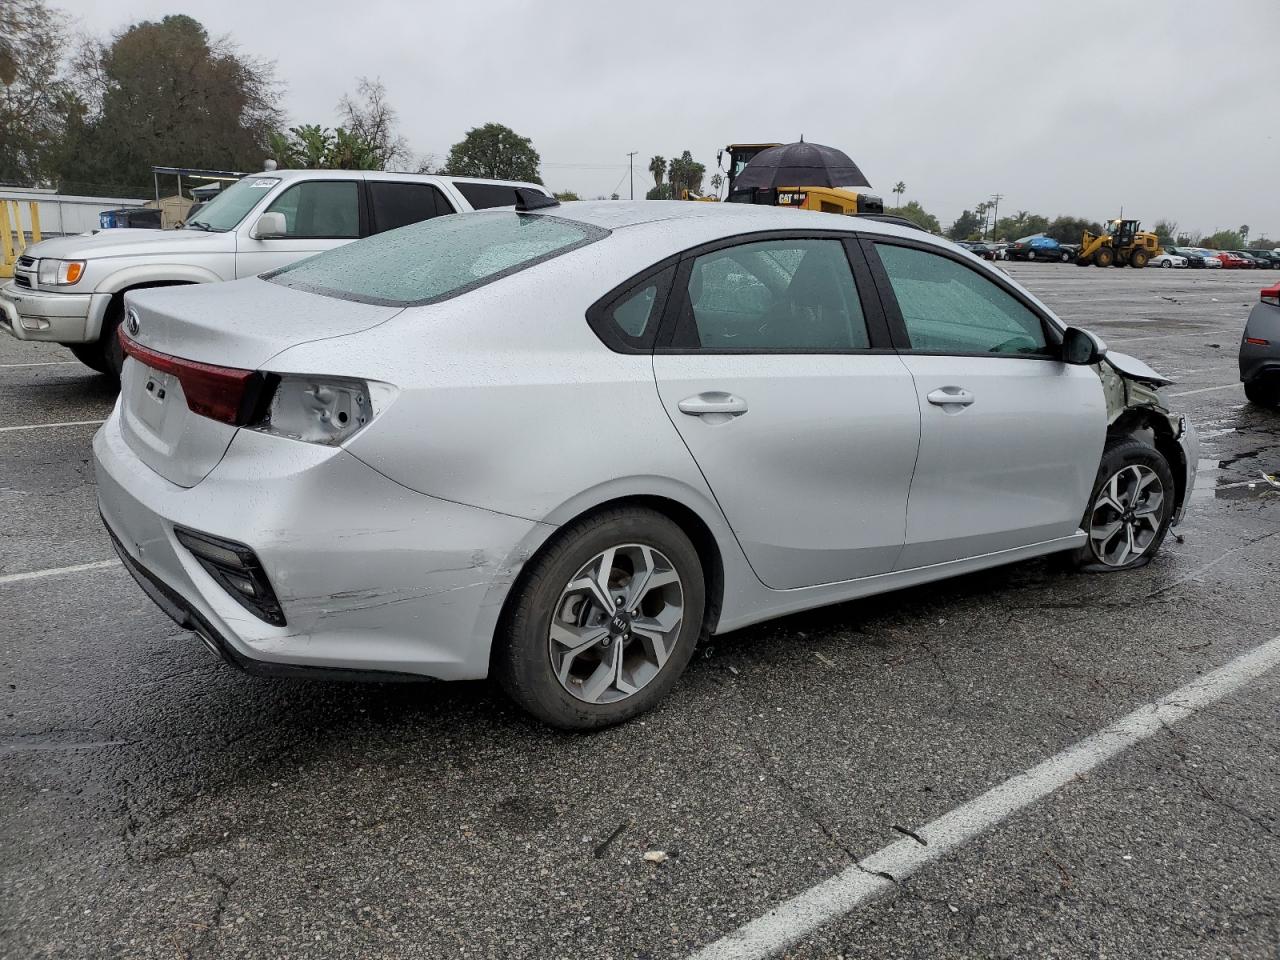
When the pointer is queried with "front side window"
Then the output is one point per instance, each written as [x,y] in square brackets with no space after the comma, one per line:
[437,258]
[775,295]
[320,209]
[949,308]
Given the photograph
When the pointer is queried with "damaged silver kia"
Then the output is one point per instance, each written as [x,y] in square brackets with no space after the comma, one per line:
[557,445]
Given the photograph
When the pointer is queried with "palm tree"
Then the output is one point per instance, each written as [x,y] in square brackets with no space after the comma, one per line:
[658,167]
[1244,232]
[899,188]
[717,181]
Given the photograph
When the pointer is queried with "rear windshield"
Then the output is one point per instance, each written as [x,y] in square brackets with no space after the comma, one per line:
[435,259]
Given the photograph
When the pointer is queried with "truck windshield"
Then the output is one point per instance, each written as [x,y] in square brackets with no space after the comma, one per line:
[225,211]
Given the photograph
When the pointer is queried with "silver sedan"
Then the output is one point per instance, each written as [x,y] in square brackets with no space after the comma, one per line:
[559,445]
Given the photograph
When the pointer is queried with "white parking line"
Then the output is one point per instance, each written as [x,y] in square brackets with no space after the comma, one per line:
[1188,393]
[879,873]
[65,423]
[44,363]
[57,571]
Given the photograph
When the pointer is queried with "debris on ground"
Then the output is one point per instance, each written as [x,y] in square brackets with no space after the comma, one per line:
[656,856]
[1273,479]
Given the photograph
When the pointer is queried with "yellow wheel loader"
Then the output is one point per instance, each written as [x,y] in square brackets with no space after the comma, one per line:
[801,176]
[1119,243]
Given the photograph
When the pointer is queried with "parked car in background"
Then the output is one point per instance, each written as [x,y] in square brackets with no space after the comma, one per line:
[1255,262]
[1260,350]
[1271,256]
[1168,259]
[1000,250]
[1194,258]
[984,250]
[1233,261]
[1212,258]
[71,290]
[1038,247]
[374,460]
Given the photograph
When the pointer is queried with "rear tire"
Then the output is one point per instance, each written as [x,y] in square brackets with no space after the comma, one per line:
[1130,508]
[1263,393]
[1138,259]
[626,670]
[1031,254]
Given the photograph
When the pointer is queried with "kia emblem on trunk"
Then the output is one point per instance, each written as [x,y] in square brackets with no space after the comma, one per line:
[131,322]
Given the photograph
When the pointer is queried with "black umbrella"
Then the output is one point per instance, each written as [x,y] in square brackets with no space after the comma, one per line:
[800,165]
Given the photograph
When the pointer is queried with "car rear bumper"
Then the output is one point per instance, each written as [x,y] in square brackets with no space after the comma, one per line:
[1261,360]
[373,579]
[52,317]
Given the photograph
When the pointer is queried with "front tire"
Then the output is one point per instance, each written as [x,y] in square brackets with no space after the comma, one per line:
[1166,264]
[1130,508]
[603,621]
[91,355]
[1104,257]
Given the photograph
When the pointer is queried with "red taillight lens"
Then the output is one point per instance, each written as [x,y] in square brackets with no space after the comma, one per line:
[228,394]
[1257,341]
[1271,295]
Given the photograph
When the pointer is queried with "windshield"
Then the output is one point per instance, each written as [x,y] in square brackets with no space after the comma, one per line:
[225,211]
[437,258]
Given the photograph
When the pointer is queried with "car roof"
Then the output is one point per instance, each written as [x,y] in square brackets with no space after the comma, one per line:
[695,222]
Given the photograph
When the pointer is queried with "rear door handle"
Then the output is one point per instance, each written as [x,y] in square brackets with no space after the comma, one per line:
[716,404]
[951,397]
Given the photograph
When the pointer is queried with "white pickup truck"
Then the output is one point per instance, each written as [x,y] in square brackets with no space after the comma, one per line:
[71,290]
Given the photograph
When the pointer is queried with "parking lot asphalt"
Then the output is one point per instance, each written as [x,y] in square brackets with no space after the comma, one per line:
[154,803]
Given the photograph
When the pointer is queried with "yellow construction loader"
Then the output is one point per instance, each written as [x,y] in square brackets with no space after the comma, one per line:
[811,166]
[1120,243]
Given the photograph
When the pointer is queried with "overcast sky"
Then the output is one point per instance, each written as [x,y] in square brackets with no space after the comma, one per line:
[1171,109]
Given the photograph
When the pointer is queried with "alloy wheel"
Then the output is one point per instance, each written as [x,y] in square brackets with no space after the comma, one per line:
[1126,515]
[616,623]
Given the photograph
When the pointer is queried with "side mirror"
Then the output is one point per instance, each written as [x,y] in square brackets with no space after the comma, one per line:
[270,226]
[1081,347]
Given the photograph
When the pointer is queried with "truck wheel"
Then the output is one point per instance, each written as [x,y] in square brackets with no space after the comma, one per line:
[1138,259]
[109,342]
[90,354]
[1104,257]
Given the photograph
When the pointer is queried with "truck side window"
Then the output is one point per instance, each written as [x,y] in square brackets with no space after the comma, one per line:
[400,204]
[320,209]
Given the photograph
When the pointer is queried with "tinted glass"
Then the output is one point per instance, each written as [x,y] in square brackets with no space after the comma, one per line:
[949,308]
[482,196]
[400,204]
[320,209]
[776,295]
[436,258]
[226,210]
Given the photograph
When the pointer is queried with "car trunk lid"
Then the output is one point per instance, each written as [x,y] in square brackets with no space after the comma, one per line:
[194,355]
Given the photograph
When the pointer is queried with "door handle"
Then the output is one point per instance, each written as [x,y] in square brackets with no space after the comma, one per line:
[951,397]
[715,404]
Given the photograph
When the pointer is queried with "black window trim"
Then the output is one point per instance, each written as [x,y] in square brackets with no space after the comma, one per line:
[367,200]
[362,207]
[600,313]
[893,313]
[678,315]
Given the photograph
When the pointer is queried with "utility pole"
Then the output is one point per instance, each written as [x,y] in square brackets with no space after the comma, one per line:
[995,210]
[631,171]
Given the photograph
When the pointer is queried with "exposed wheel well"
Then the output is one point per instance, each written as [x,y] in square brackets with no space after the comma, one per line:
[116,306]
[704,542]
[1152,428]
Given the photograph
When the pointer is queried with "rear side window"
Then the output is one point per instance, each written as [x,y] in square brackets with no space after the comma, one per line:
[400,204]
[482,196]
[437,258]
[627,321]
[950,308]
[774,296]
[320,209]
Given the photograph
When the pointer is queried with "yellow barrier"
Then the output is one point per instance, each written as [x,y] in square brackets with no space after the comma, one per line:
[13,237]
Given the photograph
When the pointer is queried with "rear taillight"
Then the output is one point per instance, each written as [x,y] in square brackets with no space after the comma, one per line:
[1271,295]
[326,410]
[228,394]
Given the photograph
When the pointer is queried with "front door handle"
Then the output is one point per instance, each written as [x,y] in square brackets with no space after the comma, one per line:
[951,397]
[715,405]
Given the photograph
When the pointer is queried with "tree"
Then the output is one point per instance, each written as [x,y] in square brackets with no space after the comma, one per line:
[371,120]
[685,173]
[312,147]
[917,215]
[658,167]
[567,195]
[1223,240]
[165,93]
[661,192]
[494,151]
[1021,224]
[1165,231]
[1070,229]
[966,226]
[899,188]
[1244,233]
[717,181]
[35,95]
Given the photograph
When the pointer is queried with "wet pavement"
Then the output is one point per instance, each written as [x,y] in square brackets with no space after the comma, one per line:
[154,803]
